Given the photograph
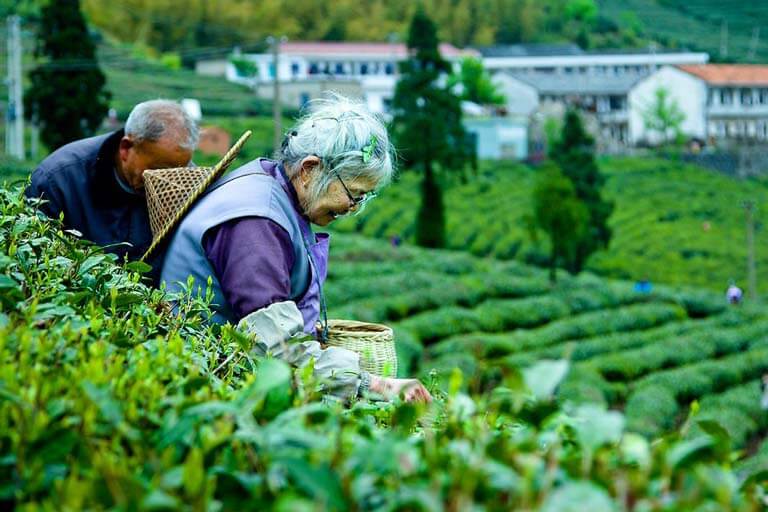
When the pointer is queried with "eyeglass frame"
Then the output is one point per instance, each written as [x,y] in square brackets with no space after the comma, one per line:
[356,201]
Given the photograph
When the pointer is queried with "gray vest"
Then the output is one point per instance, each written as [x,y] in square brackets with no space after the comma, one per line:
[246,192]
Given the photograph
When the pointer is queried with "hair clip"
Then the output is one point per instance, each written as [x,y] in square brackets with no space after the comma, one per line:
[369,149]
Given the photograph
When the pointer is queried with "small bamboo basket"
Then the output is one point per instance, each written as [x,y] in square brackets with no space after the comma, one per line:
[374,342]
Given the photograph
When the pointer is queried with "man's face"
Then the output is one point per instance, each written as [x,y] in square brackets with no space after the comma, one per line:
[137,157]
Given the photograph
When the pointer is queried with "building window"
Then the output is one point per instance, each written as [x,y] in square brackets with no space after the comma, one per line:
[746,96]
[389,68]
[314,68]
[294,68]
[616,103]
[762,130]
[710,97]
[763,96]
[271,69]
[726,96]
[339,69]
[364,68]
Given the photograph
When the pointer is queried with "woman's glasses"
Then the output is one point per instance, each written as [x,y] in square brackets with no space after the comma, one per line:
[357,202]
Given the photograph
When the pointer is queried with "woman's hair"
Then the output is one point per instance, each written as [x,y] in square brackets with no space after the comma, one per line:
[350,141]
[153,119]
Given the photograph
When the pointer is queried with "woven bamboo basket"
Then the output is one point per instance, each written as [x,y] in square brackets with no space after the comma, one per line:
[374,342]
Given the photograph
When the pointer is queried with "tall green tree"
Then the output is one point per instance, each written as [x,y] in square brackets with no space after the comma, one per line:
[575,154]
[427,124]
[67,96]
[561,215]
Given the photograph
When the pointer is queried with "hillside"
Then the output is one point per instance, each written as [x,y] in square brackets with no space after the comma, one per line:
[697,24]
[649,354]
[673,223]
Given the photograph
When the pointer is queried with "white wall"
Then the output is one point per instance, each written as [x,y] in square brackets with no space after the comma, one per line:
[522,98]
[689,92]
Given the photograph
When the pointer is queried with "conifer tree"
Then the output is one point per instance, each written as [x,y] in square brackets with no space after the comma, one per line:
[427,124]
[67,96]
[575,154]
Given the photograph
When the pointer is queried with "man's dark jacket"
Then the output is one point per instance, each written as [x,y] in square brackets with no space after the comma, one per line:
[80,180]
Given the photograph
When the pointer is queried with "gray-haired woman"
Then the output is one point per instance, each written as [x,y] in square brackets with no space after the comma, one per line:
[251,236]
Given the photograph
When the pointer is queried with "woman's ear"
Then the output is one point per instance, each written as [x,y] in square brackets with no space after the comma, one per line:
[309,165]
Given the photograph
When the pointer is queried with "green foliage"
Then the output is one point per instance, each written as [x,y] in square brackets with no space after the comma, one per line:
[664,116]
[475,83]
[67,95]
[561,215]
[246,68]
[108,400]
[672,223]
[575,154]
[426,124]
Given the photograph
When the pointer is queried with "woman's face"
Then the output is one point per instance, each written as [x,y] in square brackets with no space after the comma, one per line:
[336,202]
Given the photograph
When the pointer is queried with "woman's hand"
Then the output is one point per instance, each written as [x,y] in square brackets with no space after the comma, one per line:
[411,389]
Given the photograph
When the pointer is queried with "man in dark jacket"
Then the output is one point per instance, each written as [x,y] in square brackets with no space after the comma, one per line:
[97,183]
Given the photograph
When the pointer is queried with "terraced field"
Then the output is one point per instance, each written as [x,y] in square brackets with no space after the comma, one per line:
[673,223]
[651,354]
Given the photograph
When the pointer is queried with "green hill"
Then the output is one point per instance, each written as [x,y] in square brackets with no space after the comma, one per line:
[673,223]
[649,354]
[697,24]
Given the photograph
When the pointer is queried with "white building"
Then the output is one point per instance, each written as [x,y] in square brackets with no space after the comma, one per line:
[570,60]
[374,66]
[720,101]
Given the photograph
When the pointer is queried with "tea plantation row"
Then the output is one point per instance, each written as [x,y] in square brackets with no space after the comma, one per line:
[672,222]
[109,401]
[651,355]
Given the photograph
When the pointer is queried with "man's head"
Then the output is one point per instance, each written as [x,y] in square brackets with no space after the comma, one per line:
[159,134]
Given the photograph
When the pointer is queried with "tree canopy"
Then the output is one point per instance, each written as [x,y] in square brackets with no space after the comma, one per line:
[426,123]
[67,95]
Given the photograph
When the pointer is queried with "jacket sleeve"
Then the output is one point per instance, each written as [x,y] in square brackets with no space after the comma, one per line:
[273,328]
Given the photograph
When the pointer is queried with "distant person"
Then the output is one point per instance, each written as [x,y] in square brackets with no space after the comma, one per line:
[643,286]
[395,241]
[97,183]
[734,294]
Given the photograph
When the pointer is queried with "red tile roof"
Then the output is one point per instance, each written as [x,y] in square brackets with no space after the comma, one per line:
[729,74]
[398,50]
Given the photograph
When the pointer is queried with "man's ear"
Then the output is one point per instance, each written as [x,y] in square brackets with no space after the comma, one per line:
[309,165]
[126,143]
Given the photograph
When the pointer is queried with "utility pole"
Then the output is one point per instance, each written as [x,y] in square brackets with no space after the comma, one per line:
[14,132]
[749,211]
[753,43]
[277,113]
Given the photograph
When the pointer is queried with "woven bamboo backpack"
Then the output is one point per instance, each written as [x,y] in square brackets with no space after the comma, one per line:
[172,192]
[374,342]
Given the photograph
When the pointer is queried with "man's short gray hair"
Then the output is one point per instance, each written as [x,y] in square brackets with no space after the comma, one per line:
[350,141]
[153,119]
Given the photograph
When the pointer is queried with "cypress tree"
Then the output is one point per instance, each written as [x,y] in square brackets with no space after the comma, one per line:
[427,124]
[575,155]
[67,96]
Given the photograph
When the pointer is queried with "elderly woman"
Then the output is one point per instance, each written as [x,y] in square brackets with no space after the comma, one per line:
[251,236]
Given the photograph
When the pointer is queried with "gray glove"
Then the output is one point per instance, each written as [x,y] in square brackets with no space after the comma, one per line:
[278,332]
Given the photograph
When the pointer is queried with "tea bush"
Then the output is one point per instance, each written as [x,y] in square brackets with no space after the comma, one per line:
[110,401]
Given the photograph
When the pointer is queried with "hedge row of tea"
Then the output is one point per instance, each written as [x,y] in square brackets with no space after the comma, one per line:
[651,355]
[673,223]
[107,400]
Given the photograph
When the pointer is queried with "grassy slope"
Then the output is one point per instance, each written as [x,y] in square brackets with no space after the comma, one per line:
[450,309]
[661,208]
[696,24]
